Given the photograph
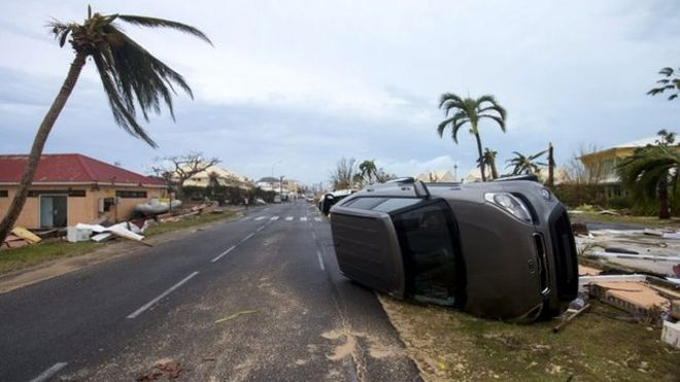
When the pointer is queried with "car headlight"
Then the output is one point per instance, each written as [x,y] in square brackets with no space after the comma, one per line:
[509,203]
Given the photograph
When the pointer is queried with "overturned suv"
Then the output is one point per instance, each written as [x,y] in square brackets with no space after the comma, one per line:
[501,249]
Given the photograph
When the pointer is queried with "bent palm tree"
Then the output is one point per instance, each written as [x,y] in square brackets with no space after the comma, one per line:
[650,171]
[133,79]
[470,110]
[525,164]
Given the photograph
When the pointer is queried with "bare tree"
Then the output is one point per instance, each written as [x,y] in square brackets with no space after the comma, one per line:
[179,168]
[343,174]
[577,172]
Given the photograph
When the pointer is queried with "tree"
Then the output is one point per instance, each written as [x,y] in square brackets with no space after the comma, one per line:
[179,168]
[368,171]
[470,110]
[651,169]
[343,174]
[133,80]
[522,164]
[551,166]
[671,82]
[490,161]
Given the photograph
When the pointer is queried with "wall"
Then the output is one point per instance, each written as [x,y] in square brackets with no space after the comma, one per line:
[80,209]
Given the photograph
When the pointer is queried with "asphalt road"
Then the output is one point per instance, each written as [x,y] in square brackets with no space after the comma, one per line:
[257,299]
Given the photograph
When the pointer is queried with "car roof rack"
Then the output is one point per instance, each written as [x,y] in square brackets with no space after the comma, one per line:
[529,177]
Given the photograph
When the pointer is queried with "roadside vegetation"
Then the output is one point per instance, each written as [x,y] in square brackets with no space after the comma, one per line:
[450,345]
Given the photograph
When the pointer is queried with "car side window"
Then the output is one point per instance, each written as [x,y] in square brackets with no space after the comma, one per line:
[426,236]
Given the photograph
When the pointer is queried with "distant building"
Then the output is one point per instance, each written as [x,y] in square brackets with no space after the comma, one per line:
[436,176]
[268,183]
[601,165]
[221,176]
[74,188]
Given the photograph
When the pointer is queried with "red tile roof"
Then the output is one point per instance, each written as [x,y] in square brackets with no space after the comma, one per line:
[69,168]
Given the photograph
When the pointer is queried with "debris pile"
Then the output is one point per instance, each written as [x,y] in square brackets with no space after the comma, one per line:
[647,299]
[20,237]
[650,251]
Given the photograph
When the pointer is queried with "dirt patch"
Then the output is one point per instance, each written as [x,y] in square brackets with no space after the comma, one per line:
[448,345]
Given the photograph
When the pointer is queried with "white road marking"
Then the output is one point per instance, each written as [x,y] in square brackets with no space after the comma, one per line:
[259,218]
[304,218]
[47,374]
[223,253]
[274,218]
[246,218]
[289,218]
[318,255]
[161,296]
[261,228]
[314,235]
[247,237]
[317,219]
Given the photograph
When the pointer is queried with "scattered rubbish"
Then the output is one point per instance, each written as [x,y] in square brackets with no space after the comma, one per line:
[671,235]
[653,232]
[569,319]
[243,312]
[13,241]
[157,206]
[102,237]
[670,334]
[580,229]
[675,309]
[620,250]
[77,234]
[634,297]
[627,255]
[27,235]
[609,212]
[170,370]
[584,270]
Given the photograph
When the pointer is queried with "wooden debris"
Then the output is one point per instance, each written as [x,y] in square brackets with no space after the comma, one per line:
[27,235]
[569,319]
[633,297]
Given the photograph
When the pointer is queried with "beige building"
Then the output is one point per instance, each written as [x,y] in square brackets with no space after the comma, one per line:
[223,176]
[72,188]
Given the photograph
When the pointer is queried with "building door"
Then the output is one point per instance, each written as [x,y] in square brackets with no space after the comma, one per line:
[53,211]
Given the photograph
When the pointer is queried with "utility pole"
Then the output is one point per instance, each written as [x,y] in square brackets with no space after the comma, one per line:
[281,187]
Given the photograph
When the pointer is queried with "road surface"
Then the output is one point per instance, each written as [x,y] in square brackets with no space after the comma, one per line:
[255,299]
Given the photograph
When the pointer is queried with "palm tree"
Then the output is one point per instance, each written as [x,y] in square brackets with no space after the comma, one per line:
[523,164]
[368,171]
[133,80]
[490,161]
[470,110]
[667,83]
[651,169]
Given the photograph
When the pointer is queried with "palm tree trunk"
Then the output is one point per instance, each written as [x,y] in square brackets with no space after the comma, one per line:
[481,155]
[551,166]
[38,144]
[494,171]
[664,212]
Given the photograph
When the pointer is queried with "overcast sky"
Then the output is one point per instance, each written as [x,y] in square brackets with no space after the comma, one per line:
[303,83]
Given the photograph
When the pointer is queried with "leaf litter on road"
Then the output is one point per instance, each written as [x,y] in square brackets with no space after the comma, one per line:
[237,314]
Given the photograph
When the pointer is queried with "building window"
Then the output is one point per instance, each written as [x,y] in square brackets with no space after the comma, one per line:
[70,193]
[3,193]
[131,194]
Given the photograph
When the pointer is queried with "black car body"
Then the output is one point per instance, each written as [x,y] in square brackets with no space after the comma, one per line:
[501,249]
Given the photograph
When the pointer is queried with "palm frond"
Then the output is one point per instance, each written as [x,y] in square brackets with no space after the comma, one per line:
[122,113]
[500,121]
[153,22]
